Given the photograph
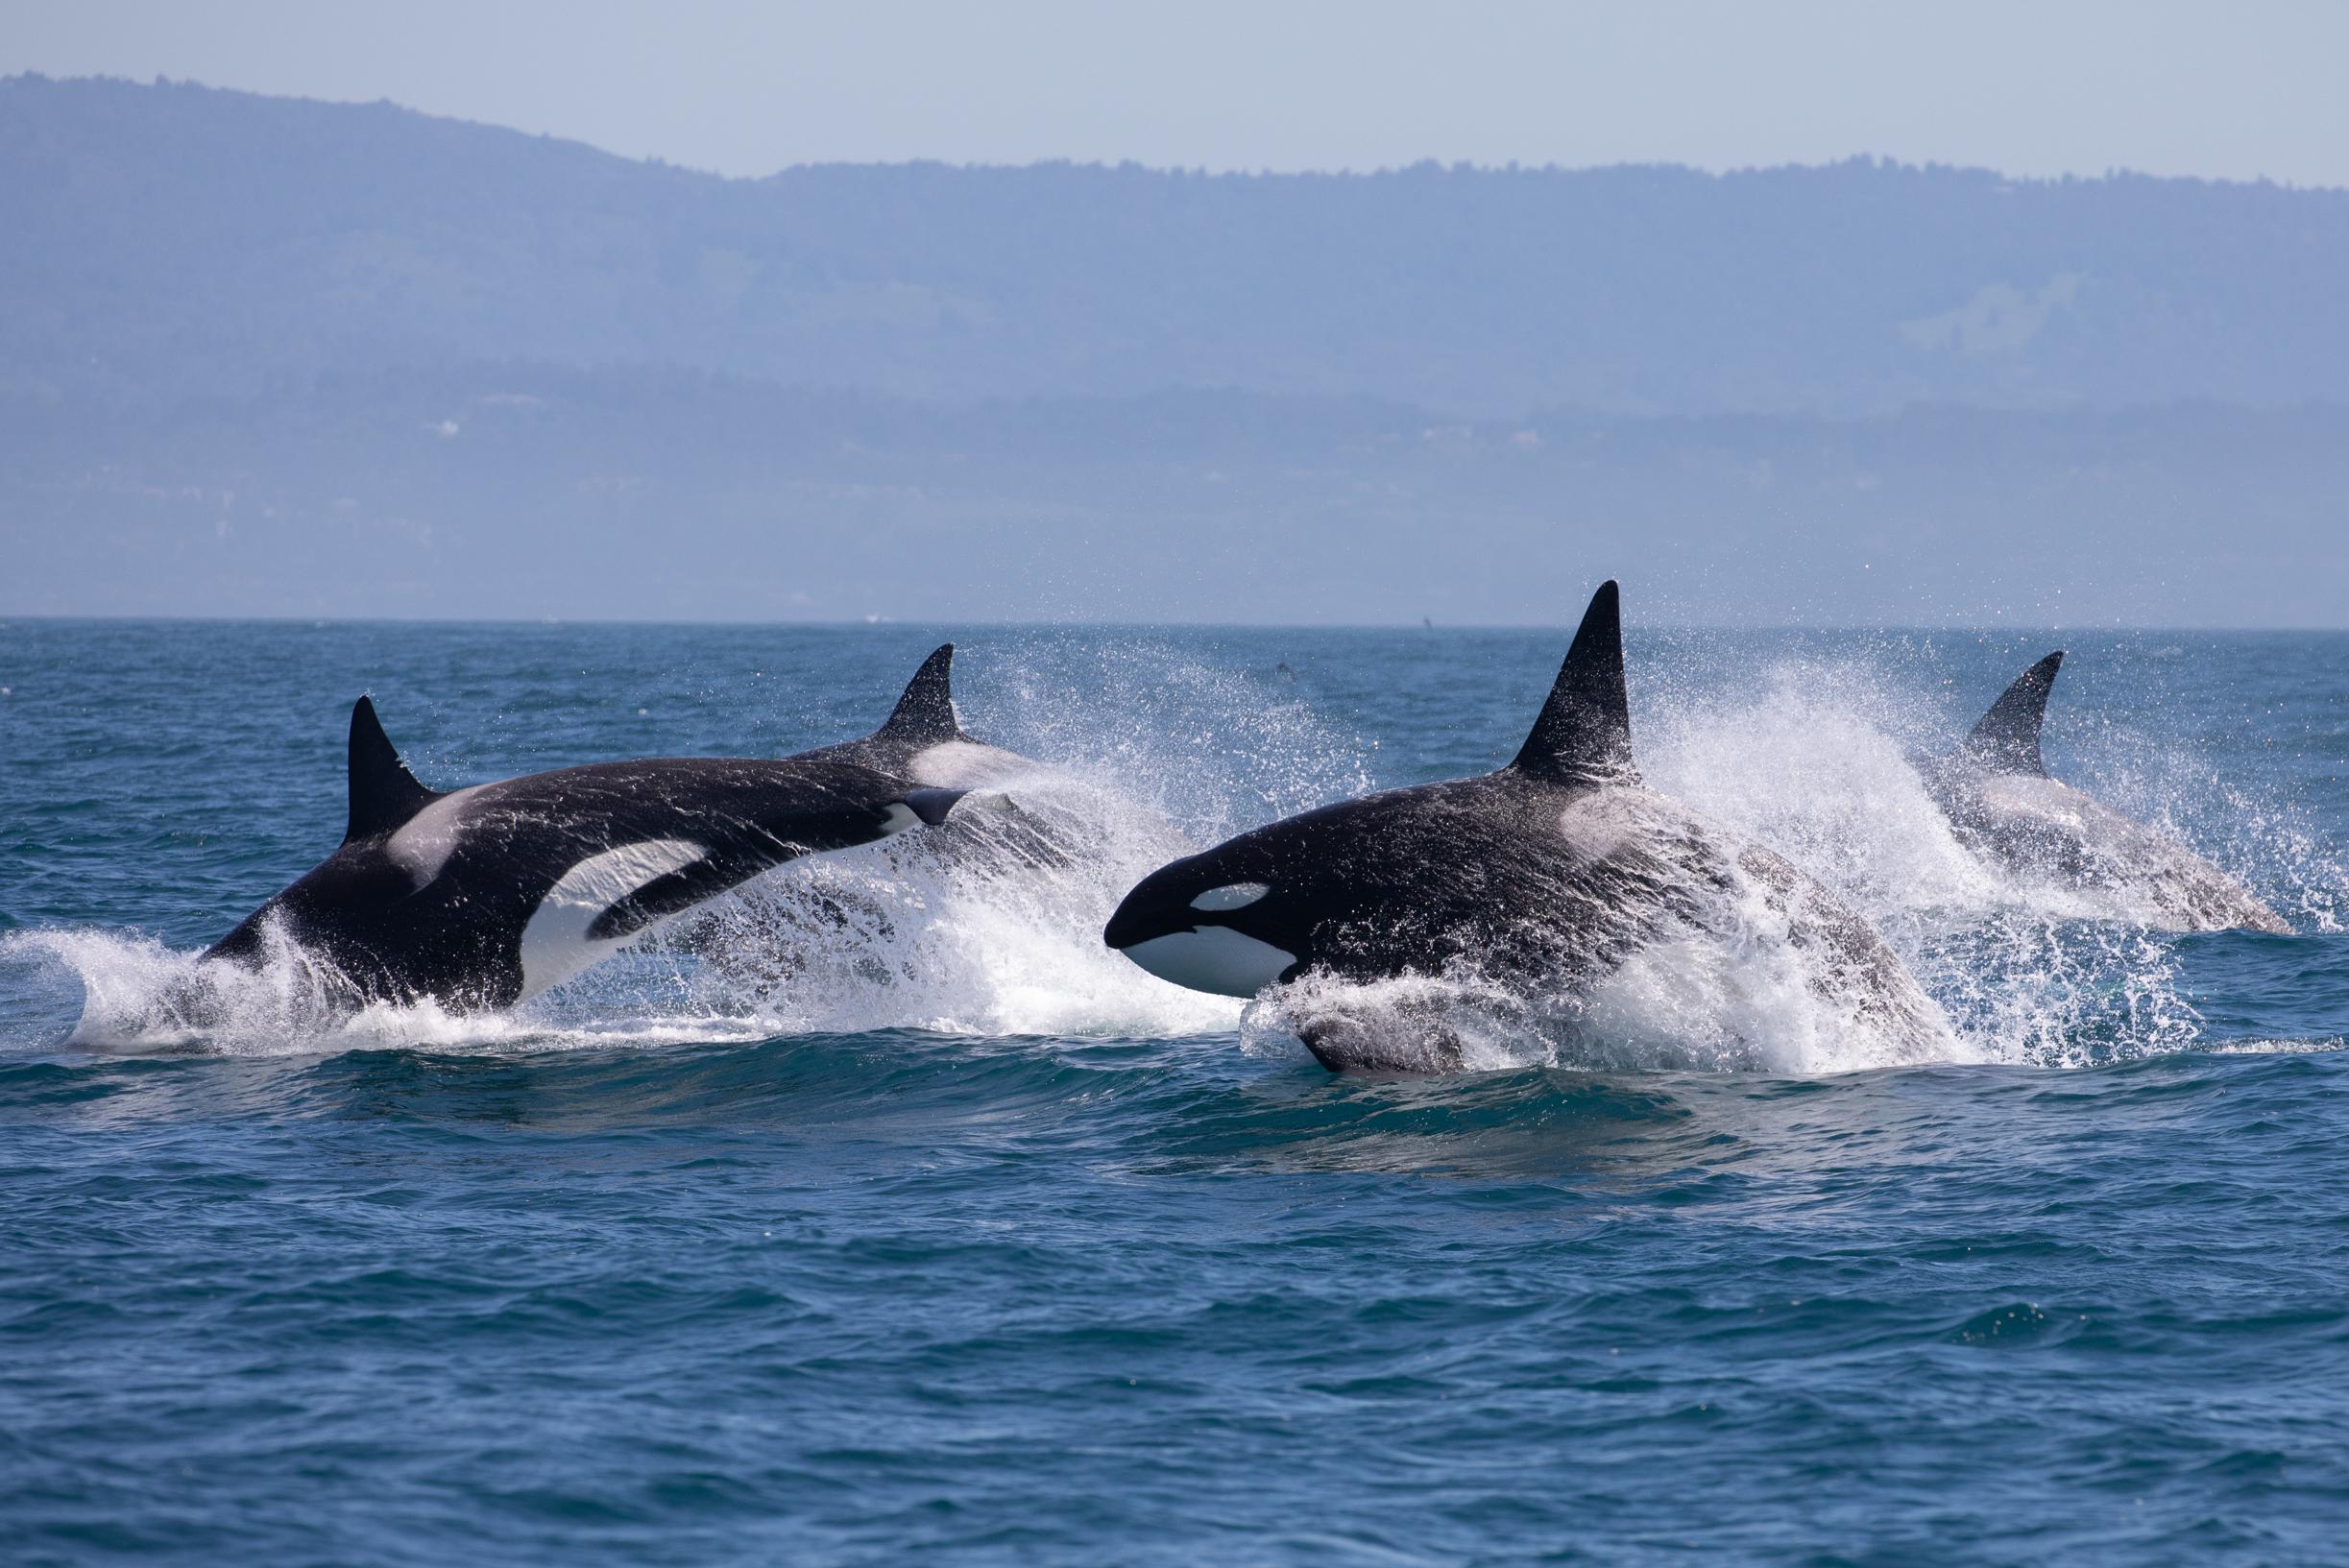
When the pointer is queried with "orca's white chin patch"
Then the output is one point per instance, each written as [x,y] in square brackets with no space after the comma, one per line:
[1214,958]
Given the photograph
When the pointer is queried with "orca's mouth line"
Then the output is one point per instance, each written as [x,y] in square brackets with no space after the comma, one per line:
[1125,931]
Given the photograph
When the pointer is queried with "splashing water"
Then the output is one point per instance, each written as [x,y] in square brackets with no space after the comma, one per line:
[994,928]
[140,996]
[597,1304]
[990,928]
[1211,749]
[2032,970]
[1157,751]
[1753,977]
[1820,767]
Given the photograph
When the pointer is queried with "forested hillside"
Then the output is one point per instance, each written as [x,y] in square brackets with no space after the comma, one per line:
[170,239]
[269,356]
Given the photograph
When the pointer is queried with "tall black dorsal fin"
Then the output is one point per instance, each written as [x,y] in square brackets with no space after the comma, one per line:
[2007,740]
[925,716]
[1584,734]
[383,793]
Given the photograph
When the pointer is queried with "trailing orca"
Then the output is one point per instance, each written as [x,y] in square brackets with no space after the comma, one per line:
[1547,874]
[486,895]
[1998,796]
[1021,820]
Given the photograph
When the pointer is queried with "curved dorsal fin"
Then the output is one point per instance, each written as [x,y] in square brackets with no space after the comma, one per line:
[1584,734]
[383,793]
[925,716]
[2007,739]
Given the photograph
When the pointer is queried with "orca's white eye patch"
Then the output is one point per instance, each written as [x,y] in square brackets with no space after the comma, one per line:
[1231,896]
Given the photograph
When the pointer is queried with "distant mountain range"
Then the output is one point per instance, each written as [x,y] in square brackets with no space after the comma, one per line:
[266,356]
[167,240]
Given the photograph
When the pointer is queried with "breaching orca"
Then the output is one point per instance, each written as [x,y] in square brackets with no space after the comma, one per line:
[1016,823]
[1995,792]
[1548,873]
[486,895]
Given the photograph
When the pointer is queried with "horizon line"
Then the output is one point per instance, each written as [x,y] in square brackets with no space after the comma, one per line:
[887,623]
[1713,172]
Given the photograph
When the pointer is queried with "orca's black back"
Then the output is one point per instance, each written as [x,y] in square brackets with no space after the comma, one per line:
[457,937]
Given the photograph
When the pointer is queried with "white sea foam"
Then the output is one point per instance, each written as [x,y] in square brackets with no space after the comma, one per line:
[994,927]
[138,995]
[1154,755]
[1001,936]
[922,931]
[2031,970]
[1817,765]
[1741,992]
[989,927]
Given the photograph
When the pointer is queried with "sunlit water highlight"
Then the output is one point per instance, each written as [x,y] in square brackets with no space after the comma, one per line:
[883,1209]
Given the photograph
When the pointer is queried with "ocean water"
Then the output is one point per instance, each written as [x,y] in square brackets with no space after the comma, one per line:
[930,1226]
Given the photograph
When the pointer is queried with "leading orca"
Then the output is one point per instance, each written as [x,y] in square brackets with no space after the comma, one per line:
[486,895]
[1548,874]
[1995,792]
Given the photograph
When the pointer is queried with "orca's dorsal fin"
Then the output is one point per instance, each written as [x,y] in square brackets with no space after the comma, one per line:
[1584,734]
[925,716]
[2007,739]
[383,793]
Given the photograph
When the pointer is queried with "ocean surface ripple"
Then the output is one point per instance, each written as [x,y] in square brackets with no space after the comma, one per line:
[961,1235]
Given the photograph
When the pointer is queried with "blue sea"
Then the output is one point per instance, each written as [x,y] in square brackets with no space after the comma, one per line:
[946,1232]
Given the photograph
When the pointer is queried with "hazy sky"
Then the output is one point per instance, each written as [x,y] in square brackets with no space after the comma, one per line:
[2255,88]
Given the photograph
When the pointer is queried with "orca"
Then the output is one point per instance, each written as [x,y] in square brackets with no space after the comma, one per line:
[1019,820]
[1547,874]
[484,897]
[2003,807]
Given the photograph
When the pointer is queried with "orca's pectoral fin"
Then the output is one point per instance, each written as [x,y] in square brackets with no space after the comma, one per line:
[1584,734]
[933,805]
[925,716]
[383,793]
[673,893]
[2006,741]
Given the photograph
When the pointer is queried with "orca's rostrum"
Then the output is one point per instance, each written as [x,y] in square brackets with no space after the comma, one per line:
[486,895]
[1545,876]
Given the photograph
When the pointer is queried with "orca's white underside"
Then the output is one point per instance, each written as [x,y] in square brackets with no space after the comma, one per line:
[1214,958]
